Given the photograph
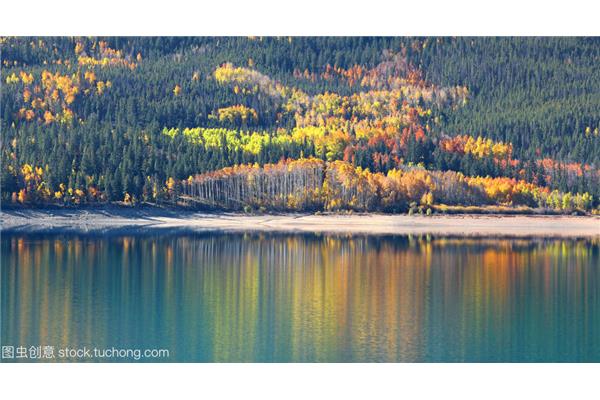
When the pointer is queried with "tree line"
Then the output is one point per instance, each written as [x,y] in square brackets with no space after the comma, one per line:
[315,185]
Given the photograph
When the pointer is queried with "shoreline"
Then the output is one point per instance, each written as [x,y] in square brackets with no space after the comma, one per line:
[154,219]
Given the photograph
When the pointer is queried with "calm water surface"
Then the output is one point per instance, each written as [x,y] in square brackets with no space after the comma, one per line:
[304,298]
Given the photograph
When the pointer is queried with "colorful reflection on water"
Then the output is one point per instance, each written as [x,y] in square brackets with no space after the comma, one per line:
[305,298]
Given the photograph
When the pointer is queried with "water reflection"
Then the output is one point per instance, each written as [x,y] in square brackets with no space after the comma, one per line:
[261,297]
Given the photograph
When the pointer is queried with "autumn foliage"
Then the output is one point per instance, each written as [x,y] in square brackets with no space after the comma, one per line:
[364,124]
[312,184]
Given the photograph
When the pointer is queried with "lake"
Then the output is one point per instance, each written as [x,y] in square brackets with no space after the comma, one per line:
[234,297]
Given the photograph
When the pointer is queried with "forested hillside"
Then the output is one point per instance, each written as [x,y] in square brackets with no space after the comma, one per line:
[370,124]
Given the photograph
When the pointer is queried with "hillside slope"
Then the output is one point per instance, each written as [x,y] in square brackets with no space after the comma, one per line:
[92,120]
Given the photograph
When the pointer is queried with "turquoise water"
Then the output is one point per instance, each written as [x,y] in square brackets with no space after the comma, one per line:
[301,298]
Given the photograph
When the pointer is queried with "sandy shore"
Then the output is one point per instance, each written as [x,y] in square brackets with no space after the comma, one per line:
[144,219]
